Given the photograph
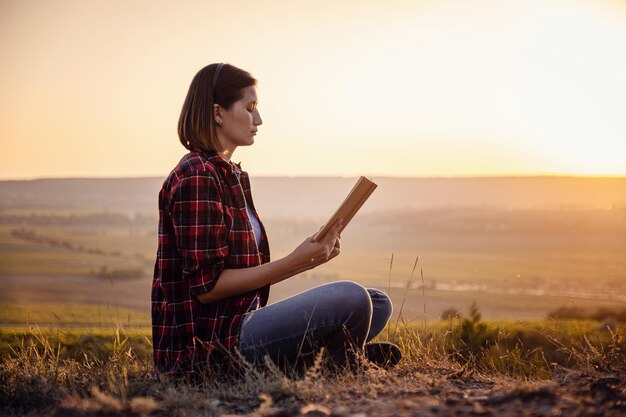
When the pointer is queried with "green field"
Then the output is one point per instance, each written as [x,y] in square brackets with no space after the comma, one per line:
[105,258]
[71,315]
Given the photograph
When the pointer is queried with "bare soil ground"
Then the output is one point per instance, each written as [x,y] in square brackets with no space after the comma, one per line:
[436,393]
[402,392]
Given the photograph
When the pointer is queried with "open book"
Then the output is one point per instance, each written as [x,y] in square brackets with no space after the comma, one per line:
[361,191]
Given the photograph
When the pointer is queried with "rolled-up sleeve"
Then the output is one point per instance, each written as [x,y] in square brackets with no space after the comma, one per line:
[198,218]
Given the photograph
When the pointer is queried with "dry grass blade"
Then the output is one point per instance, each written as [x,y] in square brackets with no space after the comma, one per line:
[389,290]
[406,290]
[390,268]
[423,294]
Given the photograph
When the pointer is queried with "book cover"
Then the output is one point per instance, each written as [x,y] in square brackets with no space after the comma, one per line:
[361,191]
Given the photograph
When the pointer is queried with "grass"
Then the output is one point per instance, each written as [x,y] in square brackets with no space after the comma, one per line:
[109,369]
[528,349]
[73,344]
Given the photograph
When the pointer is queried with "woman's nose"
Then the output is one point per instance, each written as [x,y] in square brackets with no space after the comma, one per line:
[257,120]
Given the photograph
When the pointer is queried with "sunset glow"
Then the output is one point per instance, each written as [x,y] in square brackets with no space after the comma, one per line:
[448,88]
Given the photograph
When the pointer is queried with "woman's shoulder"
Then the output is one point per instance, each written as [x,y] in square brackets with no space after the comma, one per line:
[198,163]
[195,165]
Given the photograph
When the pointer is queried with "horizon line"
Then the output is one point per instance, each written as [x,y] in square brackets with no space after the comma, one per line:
[470,176]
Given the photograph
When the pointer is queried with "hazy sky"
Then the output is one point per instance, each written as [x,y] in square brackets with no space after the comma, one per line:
[396,88]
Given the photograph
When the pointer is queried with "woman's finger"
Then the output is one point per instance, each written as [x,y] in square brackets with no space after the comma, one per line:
[334,232]
[339,226]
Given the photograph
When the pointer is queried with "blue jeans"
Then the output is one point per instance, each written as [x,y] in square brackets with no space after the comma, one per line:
[339,316]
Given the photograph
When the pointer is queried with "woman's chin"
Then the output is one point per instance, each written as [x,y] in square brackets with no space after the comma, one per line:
[247,142]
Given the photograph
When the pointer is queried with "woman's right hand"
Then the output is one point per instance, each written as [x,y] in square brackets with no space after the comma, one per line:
[310,254]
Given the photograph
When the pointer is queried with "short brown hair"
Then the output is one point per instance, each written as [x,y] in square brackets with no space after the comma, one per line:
[196,126]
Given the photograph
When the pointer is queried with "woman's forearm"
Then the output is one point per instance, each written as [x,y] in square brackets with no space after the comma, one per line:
[308,255]
[240,281]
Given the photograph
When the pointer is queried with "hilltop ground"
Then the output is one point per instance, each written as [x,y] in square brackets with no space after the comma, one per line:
[404,392]
[462,367]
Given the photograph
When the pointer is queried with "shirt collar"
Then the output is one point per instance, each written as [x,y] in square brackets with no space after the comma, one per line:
[217,160]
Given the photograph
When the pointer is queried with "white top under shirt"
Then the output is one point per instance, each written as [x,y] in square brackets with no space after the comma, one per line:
[256,226]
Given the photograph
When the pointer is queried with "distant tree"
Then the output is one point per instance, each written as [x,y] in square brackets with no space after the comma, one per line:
[475,336]
[565,313]
[451,314]
[577,313]
[119,274]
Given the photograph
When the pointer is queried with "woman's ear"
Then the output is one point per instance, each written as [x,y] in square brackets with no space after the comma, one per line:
[217,114]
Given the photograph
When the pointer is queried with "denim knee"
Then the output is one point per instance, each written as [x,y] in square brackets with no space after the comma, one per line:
[381,303]
[382,308]
[354,300]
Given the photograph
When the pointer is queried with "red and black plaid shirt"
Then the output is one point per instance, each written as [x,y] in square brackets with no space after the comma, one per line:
[203,229]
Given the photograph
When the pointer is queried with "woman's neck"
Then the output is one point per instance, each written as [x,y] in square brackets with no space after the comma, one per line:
[226,154]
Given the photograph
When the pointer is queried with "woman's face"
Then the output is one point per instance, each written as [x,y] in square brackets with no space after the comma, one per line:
[240,122]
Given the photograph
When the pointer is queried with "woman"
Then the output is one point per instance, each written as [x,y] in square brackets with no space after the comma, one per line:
[213,271]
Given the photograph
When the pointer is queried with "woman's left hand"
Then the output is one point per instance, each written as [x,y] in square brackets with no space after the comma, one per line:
[310,253]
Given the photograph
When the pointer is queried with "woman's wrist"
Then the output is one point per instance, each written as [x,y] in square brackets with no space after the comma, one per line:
[294,264]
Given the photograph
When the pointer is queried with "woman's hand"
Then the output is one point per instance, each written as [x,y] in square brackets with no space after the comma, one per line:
[310,254]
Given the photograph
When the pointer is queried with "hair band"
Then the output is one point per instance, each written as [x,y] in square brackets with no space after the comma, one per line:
[216,75]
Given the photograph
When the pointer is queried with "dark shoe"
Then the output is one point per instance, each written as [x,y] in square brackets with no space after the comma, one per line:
[383,354]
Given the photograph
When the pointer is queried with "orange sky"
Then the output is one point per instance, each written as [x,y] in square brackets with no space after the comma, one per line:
[400,88]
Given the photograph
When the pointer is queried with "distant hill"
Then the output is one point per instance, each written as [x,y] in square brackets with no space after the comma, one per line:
[318,196]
